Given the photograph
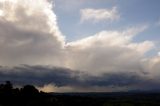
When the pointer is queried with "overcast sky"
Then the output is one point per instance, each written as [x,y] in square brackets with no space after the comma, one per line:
[81,45]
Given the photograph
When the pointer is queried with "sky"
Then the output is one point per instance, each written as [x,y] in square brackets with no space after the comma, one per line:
[81,45]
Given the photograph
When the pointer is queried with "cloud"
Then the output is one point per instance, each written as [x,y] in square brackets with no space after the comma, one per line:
[96,15]
[49,78]
[29,33]
[153,65]
[158,53]
[109,51]
[39,75]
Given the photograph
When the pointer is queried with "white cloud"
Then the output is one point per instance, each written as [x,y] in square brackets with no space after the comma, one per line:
[158,53]
[97,15]
[29,33]
[108,52]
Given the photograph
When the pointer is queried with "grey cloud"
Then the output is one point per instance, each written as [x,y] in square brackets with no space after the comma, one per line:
[43,75]
[20,46]
[38,75]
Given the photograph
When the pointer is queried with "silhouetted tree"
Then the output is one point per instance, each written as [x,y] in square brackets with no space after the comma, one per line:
[6,88]
[29,90]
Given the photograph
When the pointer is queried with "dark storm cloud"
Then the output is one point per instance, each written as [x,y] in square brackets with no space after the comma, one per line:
[115,79]
[38,75]
[43,75]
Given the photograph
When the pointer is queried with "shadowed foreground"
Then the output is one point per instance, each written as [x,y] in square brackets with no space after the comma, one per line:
[30,96]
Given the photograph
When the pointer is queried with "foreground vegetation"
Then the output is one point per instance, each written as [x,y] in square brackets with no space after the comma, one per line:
[30,96]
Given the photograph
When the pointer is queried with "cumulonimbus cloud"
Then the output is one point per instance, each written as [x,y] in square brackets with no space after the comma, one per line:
[29,33]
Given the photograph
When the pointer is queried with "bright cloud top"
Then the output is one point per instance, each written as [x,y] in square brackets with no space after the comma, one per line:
[29,33]
[97,15]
